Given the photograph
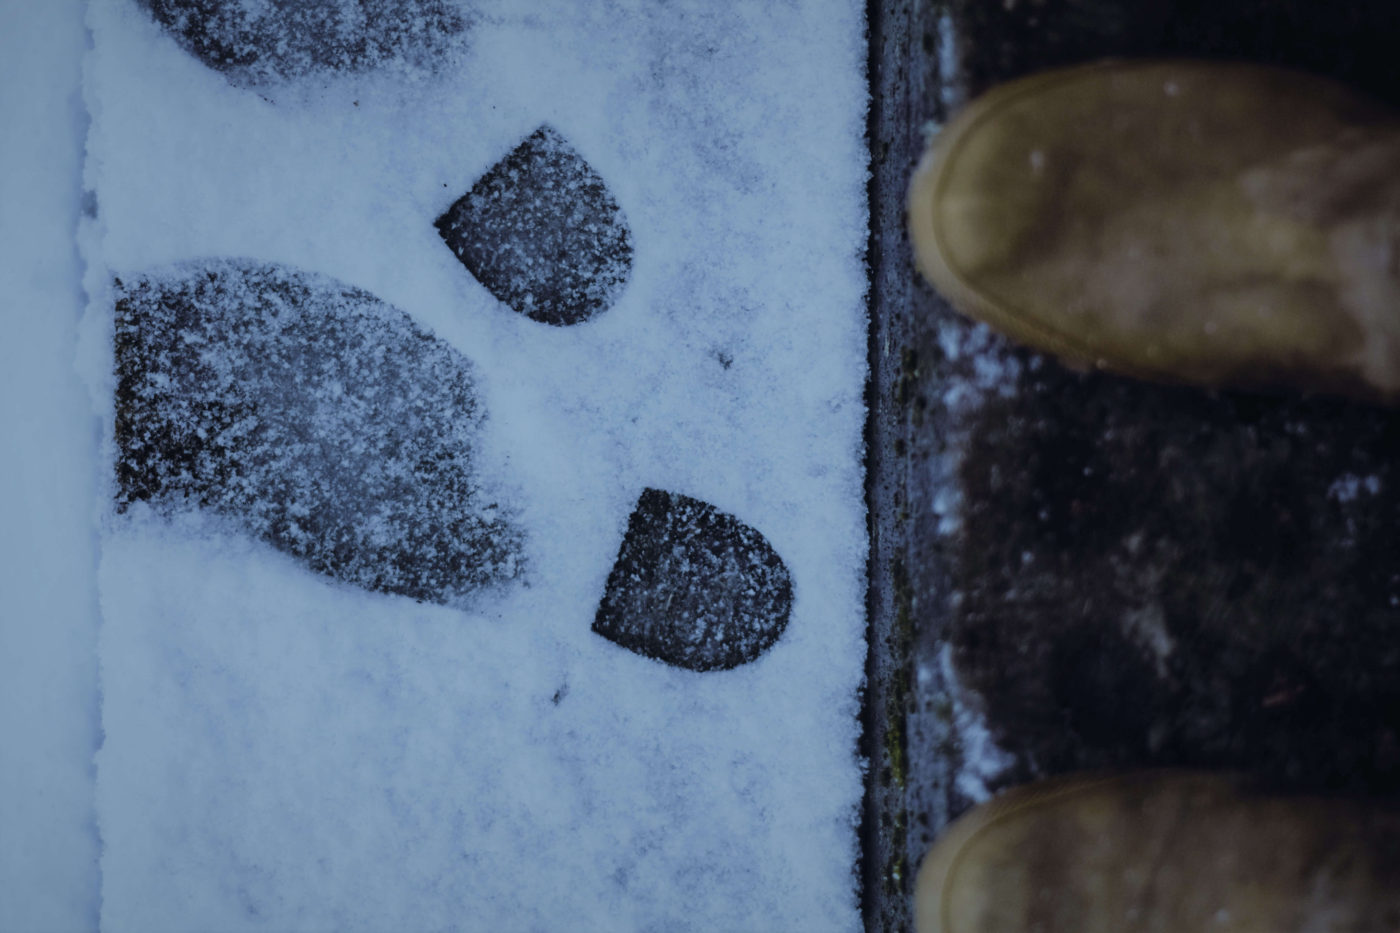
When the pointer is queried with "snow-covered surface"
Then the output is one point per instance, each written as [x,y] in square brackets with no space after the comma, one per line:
[48,485]
[285,751]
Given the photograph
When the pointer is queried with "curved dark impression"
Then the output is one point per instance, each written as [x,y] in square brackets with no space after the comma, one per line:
[542,232]
[315,417]
[694,587]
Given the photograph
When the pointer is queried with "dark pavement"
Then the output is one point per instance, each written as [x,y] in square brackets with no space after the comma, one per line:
[1108,574]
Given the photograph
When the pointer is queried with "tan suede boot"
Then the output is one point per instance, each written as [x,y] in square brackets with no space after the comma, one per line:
[1167,852]
[1204,223]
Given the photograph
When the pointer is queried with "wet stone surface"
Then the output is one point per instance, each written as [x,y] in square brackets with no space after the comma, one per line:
[1168,577]
[1078,571]
[542,233]
[694,587]
[313,416]
[256,44]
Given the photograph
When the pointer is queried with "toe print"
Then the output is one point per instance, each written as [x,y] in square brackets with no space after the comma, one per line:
[317,417]
[262,43]
[694,586]
[542,232]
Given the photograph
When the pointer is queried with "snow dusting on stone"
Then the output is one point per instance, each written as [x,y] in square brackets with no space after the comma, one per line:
[542,232]
[316,417]
[260,42]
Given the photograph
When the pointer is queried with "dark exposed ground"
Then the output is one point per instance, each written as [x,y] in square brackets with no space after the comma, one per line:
[542,232]
[694,587]
[287,39]
[1115,574]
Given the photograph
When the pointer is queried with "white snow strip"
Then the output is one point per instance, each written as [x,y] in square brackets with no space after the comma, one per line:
[48,479]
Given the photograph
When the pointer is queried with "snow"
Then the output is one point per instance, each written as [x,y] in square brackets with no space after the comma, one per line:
[48,486]
[286,749]
[982,761]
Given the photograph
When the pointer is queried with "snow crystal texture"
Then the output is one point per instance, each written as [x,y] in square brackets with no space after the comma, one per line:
[543,234]
[318,418]
[292,749]
[694,587]
[259,42]
[49,695]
